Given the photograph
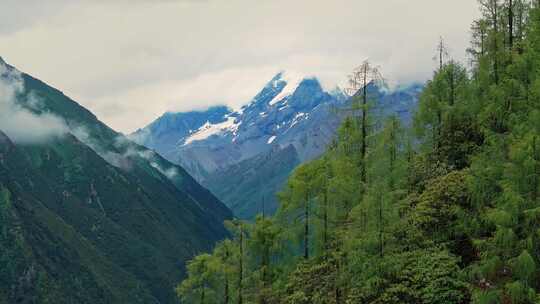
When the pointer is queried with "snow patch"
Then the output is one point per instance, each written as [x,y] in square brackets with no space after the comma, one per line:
[297,118]
[300,114]
[271,139]
[292,82]
[209,129]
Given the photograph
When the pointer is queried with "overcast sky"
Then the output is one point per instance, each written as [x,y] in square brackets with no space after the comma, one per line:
[130,61]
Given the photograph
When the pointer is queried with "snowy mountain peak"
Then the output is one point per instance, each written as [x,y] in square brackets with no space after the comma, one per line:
[277,90]
[286,77]
[287,83]
[208,129]
[291,120]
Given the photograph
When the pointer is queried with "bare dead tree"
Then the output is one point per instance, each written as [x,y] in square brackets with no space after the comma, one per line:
[442,53]
[522,12]
[491,11]
[479,35]
[510,9]
[516,14]
[359,80]
[241,263]
[306,227]
[226,292]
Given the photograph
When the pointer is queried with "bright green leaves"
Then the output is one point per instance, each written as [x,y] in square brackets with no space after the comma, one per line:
[520,293]
[524,268]
[421,276]
[197,288]
[451,215]
[313,282]
[439,206]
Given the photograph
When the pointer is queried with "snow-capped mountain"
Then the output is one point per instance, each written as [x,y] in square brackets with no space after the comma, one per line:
[292,118]
[288,110]
[170,131]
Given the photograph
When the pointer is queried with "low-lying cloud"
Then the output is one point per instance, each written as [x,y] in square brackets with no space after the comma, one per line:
[24,121]
[131,150]
[124,152]
[185,55]
[17,118]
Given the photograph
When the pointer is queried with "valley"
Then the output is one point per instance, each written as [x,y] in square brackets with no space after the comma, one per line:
[290,121]
[87,215]
[270,152]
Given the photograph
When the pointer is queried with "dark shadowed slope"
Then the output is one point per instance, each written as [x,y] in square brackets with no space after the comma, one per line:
[90,217]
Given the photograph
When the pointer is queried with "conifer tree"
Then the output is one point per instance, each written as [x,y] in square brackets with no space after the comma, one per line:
[449,215]
[359,82]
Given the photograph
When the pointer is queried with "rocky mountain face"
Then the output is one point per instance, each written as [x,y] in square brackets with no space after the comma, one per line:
[244,156]
[171,129]
[87,216]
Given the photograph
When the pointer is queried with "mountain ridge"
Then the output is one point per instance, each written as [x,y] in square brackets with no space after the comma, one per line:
[290,110]
[97,218]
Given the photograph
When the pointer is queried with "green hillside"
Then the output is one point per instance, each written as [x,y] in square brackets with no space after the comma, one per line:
[93,218]
[446,211]
[250,185]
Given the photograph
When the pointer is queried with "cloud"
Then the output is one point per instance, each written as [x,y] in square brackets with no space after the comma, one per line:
[170,173]
[20,123]
[23,120]
[15,17]
[131,150]
[124,152]
[130,61]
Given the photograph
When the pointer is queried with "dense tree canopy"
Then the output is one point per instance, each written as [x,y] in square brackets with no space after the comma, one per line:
[444,211]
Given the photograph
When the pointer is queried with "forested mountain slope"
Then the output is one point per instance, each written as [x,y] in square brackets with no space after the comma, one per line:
[87,216]
[446,211]
[291,117]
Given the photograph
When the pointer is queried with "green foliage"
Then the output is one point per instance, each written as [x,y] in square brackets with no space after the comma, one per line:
[520,293]
[445,212]
[487,297]
[525,268]
[76,229]
[441,203]
[198,286]
[313,282]
[421,276]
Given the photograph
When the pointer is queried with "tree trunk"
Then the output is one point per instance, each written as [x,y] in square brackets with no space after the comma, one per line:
[535,173]
[495,42]
[441,54]
[482,42]
[337,289]
[226,296]
[325,222]
[452,85]
[364,126]
[306,229]
[226,292]
[510,24]
[381,246]
[393,153]
[265,262]
[241,267]
[438,131]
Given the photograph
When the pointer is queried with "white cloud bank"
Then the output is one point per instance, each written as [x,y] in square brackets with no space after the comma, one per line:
[19,123]
[130,61]
[22,119]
